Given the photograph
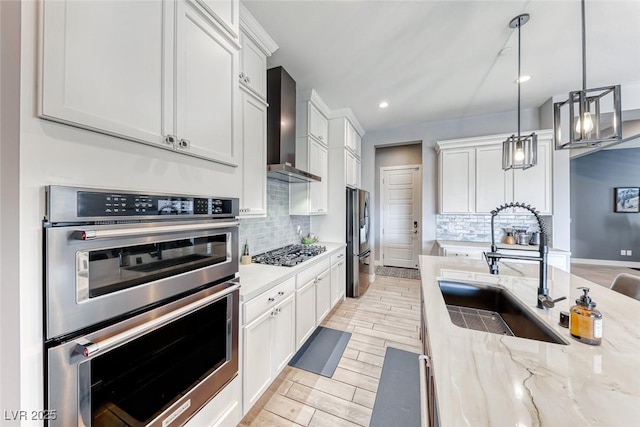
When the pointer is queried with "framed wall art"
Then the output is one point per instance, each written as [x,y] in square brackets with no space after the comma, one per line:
[626,199]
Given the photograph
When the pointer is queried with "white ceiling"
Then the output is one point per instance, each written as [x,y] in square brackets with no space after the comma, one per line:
[434,60]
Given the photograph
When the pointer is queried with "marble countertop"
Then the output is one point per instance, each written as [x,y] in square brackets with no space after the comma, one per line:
[258,278]
[485,379]
[487,245]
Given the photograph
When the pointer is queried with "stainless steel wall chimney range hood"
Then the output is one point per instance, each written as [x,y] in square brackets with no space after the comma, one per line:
[281,129]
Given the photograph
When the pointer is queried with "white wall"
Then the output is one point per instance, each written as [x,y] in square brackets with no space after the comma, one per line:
[52,153]
[10,387]
[429,133]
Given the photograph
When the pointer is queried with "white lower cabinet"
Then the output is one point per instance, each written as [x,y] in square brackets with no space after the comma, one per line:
[323,296]
[338,278]
[305,311]
[269,338]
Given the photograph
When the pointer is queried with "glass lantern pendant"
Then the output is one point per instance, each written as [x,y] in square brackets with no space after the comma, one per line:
[590,116]
[519,152]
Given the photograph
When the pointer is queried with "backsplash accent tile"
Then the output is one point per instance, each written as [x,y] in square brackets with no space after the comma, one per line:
[278,228]
[477,227]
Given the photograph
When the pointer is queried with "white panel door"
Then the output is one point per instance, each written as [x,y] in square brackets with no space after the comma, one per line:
[108,66]
[254,157]
[457,181]
[318,165]
[491,180]
[257,361]
[401,216]
[305,312]
[283,344]
[323,296]
[254,67]
[206,88]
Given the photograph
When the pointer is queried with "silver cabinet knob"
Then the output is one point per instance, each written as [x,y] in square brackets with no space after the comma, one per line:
[242,76]
[184,143]
[170,139]
[248,79]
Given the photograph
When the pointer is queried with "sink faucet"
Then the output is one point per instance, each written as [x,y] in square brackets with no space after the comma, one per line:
[544,301]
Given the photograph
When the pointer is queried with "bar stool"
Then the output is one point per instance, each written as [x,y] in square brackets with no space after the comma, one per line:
[627,284]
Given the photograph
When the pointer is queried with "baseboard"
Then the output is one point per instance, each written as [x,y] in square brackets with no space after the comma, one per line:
[613,263]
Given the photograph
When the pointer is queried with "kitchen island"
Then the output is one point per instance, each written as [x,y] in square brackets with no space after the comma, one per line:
[485,379]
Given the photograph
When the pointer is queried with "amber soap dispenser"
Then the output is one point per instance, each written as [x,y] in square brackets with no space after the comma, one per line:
[585,323]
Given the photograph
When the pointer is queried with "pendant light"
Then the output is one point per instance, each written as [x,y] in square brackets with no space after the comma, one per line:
[593,115]
[519,152]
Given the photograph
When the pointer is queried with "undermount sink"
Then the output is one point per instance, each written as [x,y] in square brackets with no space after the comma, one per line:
[475,305]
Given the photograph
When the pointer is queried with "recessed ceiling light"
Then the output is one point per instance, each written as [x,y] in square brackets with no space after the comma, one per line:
[383,104]
[523,79]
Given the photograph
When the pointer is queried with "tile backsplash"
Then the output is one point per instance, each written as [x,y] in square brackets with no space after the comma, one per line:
[278,228]
[477,227]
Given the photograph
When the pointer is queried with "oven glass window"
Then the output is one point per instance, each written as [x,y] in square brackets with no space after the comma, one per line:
[135,382]
[100,272]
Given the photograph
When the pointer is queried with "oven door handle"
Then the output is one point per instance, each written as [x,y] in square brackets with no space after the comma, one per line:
[137,231]
[90,349]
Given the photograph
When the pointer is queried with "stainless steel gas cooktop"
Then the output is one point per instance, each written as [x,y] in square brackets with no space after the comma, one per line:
[289,256]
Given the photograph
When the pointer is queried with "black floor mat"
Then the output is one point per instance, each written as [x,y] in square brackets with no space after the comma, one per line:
[322,351]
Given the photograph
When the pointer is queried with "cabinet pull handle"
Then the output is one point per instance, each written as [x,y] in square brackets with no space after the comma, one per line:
[184,143]
[170,139]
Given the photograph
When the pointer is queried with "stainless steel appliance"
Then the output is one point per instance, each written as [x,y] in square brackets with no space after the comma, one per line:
[281,129]
[141,305]
[359,262]
[289,256]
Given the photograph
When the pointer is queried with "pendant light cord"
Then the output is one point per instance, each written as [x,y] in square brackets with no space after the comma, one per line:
[584,50]
[519,75]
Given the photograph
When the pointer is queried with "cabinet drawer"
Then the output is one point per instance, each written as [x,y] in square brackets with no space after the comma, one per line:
[463,253]
[263,302]
[315,270]
[337,257]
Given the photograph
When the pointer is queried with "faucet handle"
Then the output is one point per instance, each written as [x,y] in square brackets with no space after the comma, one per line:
[549,302]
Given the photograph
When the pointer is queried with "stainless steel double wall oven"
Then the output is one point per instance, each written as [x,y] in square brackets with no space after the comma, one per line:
[141,305]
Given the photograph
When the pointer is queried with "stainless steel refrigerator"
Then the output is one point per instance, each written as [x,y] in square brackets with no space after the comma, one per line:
[359,262]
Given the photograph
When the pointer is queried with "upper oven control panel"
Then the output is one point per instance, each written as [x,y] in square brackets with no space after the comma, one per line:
[68,204]
[91,204]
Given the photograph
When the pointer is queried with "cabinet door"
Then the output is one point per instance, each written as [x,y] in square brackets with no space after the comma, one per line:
[338,279]
[323,296]
[457,181]
[533,186]
[253,66]
[206,88]
[318,125]
[351,169]
[491,180]
[225,12]
[305,312]
[254,157]
[358,173]
[107,66]
[318,165]
[257,362]
[350,137]
[283,344]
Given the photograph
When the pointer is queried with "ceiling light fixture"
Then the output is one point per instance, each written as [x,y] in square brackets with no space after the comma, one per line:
[519,152]
[383,104]
[594,115]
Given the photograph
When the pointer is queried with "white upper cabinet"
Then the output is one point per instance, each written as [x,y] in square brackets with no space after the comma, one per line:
[225,12]
[253,202]
[157,72]
[318,125]
[93,76]
[310,198]
[206,88]
[472,179]
[457,181]
[253,66]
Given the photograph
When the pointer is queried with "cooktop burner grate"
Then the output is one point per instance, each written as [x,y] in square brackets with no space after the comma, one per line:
[289,256]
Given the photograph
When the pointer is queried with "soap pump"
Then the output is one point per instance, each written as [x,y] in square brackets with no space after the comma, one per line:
[585,323]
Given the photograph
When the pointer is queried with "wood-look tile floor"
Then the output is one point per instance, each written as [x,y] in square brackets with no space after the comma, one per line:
[387,315]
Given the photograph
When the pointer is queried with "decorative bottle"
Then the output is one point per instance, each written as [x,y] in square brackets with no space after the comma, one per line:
[585,323]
